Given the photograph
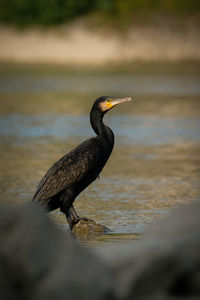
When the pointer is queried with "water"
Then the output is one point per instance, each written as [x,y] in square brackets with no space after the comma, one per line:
[137,130]
[155,163]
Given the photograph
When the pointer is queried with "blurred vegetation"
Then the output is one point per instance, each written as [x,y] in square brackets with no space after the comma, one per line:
[54,12]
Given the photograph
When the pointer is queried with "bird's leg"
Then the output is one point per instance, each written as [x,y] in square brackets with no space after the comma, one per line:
[69,219]
[66,206]
[76,218]
[74,215]
[68,216]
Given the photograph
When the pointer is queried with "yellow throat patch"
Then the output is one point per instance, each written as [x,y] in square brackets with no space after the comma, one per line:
[109,104]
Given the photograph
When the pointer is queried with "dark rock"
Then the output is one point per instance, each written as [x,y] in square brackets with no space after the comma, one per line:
[165,264]
[38,261]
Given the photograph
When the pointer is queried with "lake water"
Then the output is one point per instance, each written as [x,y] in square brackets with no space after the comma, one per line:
[44,113]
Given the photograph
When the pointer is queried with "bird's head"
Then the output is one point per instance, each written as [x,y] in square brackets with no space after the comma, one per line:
[105,103]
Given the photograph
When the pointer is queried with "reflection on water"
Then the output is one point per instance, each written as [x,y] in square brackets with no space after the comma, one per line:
[155,162]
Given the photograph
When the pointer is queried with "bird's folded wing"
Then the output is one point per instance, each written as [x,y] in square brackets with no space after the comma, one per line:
[69,169]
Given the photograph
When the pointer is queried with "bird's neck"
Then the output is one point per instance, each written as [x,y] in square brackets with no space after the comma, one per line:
[102,131]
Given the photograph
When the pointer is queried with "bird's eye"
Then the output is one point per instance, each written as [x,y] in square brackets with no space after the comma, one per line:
[108,100]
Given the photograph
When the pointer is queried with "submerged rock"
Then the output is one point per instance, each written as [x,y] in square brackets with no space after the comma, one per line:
[88,228]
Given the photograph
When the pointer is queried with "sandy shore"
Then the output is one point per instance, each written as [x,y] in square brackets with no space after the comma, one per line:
[77,44]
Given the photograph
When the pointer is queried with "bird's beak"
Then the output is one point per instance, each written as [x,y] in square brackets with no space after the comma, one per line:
[117,101]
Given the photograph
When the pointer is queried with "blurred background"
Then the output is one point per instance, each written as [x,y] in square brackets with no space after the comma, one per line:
[57,57]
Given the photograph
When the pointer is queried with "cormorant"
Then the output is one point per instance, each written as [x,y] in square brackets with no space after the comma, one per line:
[70,175]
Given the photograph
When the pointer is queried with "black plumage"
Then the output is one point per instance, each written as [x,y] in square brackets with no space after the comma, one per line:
[70,175]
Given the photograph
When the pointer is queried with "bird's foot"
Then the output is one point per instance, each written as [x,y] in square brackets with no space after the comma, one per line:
[84,219]
[76,220]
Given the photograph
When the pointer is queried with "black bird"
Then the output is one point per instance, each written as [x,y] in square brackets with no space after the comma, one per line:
[70,175]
